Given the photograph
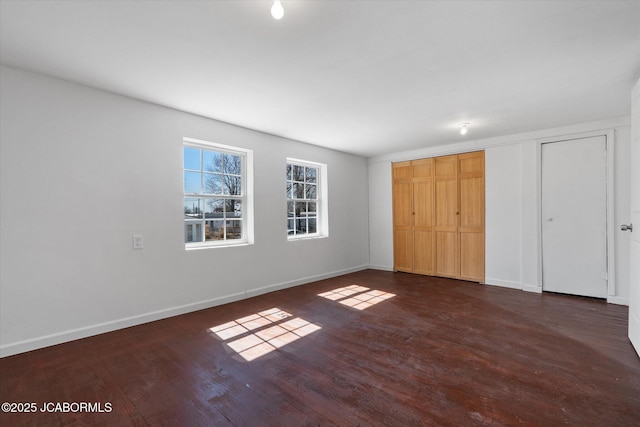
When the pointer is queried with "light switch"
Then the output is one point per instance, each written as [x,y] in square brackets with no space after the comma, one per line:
[138,241]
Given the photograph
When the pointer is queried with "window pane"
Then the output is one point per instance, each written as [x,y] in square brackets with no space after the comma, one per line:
[192,208]
[290,209]
[301,208]
[233,208]
[192,232]
[298,173]
[311,174]
[231,164]
[234,230]
[192,182]
[288,172]
[212,161]
[298,191]
[289,192]
[301,225]
[312,226]
[291,227]
[214,209]
[214,230]
[232,185]
[311,190]
[192,158]
[312,208]
[212,183]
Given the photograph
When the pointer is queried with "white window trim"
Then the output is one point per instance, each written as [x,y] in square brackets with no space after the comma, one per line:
[322,223]
[247,194]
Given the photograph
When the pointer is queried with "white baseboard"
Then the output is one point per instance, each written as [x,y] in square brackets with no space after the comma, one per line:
[100,328]
[84,332]
[284,285]
[503,283]
[634,331]
[618,300]
[532,288]
[381,267]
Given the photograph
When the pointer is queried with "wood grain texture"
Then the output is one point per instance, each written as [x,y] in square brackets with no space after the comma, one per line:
[433,351]
[472,215]
[447,213]
[423,218]
[402,216]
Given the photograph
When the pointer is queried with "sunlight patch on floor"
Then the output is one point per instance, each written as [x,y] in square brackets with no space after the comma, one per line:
[250,337]
[356,296]
[341,293]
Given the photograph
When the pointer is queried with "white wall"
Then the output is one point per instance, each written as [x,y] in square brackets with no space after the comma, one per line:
[512,204]
[380,214]
[503,200]
[82,170]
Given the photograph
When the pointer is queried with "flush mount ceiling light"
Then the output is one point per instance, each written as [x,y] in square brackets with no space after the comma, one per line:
[464,128]
[276,10]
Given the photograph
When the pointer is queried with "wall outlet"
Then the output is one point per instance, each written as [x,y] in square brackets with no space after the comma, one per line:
[138,241]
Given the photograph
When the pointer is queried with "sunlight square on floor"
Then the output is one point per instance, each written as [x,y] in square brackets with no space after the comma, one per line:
[357,297]
[250,337]
[340,293]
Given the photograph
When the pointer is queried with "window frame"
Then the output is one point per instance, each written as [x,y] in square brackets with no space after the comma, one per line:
[245,196]
[322,228]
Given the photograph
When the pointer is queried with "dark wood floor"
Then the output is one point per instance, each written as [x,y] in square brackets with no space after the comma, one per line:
[418,351]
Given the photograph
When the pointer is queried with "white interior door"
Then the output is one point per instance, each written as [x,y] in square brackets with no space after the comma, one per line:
[634,246]
[574,217]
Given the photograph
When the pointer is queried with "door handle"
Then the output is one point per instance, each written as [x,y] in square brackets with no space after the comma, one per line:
[625,227]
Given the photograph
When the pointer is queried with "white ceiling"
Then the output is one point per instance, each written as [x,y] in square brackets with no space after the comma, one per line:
[365,77]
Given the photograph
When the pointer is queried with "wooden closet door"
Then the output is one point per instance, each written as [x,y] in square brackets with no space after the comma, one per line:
[471,182]
[402,217]
[423,218]
[446,216]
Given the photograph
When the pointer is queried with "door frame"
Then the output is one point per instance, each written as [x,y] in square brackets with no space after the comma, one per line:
[609,135]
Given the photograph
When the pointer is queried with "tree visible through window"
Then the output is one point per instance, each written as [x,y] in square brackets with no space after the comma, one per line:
[302,199]
[214,195]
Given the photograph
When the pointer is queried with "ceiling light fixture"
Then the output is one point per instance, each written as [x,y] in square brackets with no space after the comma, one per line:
[464,128]
[276,10]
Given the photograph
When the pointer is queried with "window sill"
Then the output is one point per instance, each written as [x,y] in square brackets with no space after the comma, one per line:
[314,237]
[231,245]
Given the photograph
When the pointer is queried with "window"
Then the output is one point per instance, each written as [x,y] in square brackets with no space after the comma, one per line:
[215,195]
[305,205]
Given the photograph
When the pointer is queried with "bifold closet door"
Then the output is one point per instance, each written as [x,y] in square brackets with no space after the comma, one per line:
[423,218]
[471,187]
[438,216]
[402,217]
[446,216]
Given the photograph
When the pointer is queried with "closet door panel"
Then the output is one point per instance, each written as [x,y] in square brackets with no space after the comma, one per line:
[446,216]
[403,250]
[423,204]
[423,219]
[472,256]
[422,168]
[424,251]
[472,212]
[446,200]
[402,201]
[401,171]
[447,260]
[402,217]
[472,204]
